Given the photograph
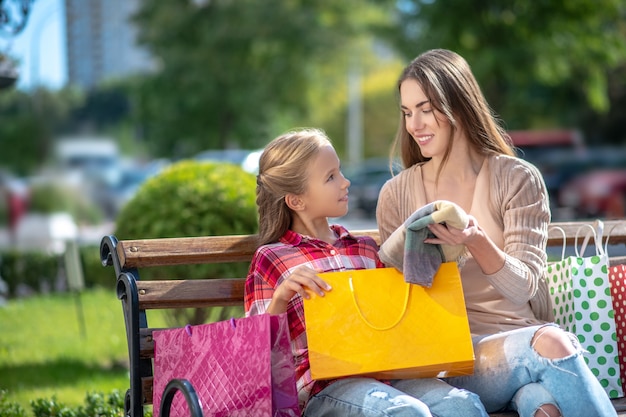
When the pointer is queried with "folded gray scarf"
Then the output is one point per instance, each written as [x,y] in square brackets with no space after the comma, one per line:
[406,251]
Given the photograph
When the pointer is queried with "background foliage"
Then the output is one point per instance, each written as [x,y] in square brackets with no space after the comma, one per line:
[554,63]
[28,124]
[236,74]
[48,198]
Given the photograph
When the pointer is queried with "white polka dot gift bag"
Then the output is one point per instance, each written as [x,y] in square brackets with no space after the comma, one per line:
[582,304]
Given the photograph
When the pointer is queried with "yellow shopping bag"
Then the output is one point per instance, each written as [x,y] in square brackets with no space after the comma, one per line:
[374,323]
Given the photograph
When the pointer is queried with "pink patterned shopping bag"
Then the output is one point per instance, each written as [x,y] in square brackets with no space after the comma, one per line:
[239,367]
[617,277]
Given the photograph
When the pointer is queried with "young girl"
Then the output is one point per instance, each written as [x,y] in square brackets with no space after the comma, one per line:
[299,186]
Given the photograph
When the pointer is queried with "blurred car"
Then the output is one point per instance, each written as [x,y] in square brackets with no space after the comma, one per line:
[234,156]
[599,193]
[246,158]
[251,163]
[366,181]
[112,197]
[88,159]
[559,155]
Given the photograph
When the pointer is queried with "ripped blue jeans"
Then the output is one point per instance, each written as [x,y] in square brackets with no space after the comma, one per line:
[366,397]
[510,374]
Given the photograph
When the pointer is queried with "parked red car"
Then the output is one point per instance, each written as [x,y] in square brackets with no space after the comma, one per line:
[597,193]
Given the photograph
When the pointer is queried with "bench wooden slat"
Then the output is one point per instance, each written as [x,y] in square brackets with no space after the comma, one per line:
[185,250]
[146,343]
[146,389]
[141,253]
[615,229]
[190,293]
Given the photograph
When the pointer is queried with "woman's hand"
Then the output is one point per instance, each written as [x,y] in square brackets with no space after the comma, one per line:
[302,280]
[447,235]
[489,257]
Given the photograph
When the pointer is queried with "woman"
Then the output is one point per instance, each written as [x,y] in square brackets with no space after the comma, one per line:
[453,148]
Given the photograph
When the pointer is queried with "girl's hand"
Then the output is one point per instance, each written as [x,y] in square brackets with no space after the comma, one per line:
[302,280]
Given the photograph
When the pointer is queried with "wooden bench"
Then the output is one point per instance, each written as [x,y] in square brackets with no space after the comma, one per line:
[129,257]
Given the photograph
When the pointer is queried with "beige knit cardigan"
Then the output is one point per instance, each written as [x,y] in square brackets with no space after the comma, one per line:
[518,200]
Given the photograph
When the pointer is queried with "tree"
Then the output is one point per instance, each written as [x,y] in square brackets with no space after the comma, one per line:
[233,72]
[105,105]
[28,123]
[379,106]
[539,62]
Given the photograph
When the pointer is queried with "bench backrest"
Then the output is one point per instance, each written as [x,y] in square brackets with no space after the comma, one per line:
[142,253]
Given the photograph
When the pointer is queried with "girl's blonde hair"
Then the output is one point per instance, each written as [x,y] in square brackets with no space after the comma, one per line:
[449,84]
[283,170]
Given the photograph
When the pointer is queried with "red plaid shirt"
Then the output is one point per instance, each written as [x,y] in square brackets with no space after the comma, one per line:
[273,262]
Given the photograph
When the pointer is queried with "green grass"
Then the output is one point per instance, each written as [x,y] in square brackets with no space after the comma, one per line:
[45,352]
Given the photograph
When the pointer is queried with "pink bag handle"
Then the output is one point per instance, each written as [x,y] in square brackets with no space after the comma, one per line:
[189,327]
[394,324]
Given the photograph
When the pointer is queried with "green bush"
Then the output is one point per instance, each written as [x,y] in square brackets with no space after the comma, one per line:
[96,405]
[95,275]
[8,408]
[31,269]
[37,269]
[47,198]
[193,198]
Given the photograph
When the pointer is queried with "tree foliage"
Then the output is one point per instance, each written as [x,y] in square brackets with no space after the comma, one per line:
[105,105]
[232,73]
[236,73]
[28,123]
[539,62]
[378,103]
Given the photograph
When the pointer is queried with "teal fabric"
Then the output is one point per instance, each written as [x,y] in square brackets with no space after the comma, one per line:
[421,260]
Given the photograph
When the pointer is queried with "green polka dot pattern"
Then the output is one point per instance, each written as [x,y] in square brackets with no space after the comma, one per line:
[582,304]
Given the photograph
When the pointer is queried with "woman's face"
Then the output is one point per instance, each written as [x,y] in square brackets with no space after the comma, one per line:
[429,128]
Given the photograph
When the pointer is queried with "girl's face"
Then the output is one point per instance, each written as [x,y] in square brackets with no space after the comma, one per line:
[428,127]
[326,189]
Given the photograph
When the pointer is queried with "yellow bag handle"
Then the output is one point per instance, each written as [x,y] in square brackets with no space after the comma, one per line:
[358,309]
